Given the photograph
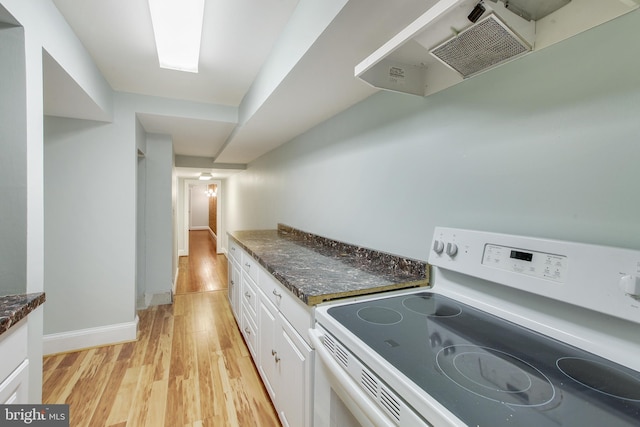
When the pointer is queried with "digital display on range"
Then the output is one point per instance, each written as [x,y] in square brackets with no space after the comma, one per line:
[524,256]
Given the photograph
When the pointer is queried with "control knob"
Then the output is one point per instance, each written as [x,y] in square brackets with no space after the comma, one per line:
[452,249]
[630,285]
[438,246]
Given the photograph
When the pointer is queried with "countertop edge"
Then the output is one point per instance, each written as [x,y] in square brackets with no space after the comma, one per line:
[315,300]
[14,308]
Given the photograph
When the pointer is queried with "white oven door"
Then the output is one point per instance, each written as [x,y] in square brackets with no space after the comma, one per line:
[339,401]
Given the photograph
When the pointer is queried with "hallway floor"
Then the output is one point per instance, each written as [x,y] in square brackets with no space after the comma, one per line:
[203,270]
[189,366]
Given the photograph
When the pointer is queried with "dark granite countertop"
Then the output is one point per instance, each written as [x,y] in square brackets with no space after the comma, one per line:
[317,269]
[14,308]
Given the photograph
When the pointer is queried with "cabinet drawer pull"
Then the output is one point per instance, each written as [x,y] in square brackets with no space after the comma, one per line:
[273,352]
[247,295]
[275,355]
[233,283]
[277,294]
[247,330]
[247,265]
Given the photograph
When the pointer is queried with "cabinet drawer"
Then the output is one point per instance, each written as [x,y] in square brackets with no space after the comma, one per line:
[235,250]
[294,310]
[249,296]
[250,266]
[249,331]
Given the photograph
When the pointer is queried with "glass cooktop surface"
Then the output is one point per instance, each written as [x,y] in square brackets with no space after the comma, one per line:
[491,372]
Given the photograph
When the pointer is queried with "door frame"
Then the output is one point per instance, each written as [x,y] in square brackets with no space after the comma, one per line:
[186,208]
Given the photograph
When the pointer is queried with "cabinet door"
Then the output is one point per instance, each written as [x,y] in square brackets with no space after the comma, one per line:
[267,354]
[234,288]
[230,285]
[14,389]
[249,330]
[294,369]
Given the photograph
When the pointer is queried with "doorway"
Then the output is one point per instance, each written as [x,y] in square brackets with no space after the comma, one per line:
[184,218]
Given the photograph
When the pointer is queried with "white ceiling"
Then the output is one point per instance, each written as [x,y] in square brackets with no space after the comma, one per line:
[238,37]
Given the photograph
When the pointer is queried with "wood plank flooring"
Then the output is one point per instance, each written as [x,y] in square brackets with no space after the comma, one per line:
[189,366]
[203,270]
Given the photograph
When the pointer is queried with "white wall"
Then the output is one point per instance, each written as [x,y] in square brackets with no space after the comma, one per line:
[109,241]
[546,145]
[90,223]
[13,161]
[158,262]
[141,202]
[199,208]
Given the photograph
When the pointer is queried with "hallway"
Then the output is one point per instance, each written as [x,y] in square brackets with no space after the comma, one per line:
[203,270]
[189,366]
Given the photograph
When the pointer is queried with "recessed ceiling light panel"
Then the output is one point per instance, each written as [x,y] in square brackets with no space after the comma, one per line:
[177,27]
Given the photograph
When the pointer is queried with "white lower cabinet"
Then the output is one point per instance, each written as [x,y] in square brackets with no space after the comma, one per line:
[13,390]
[285,363]
[14,369]
[273,323]
[267,316]
[233,273]
[249,331]
[248,297]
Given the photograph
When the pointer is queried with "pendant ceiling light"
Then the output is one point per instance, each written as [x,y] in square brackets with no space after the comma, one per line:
[211,192]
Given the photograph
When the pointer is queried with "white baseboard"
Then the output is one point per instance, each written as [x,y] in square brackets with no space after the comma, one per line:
[199,227]
[182,252]
[91,337]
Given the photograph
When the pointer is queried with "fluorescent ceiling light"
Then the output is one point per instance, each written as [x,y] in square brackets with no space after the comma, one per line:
[205,176]
[177,26]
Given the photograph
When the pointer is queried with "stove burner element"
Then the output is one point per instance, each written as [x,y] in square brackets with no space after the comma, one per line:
[601,378]
[428,306]
[379,315]
[495,375]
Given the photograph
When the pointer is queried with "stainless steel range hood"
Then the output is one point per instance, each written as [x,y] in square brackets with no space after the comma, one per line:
[442,47]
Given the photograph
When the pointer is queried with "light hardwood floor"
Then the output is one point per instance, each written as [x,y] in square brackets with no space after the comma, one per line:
[189,366]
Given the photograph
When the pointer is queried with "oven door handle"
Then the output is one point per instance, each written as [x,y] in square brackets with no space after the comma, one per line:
[365,404]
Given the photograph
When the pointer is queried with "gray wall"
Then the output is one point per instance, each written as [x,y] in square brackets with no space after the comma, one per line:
[13,161]
[107,239]
[546,145]
[90,223]
[141,189]
[158,261]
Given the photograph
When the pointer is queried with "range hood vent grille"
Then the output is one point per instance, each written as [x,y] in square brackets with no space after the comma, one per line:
[488,43]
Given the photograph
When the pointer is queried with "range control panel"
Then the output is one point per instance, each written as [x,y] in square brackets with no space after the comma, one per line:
[523,261]
[601,278]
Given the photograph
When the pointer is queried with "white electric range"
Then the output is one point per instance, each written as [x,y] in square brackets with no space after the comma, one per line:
[514,331]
